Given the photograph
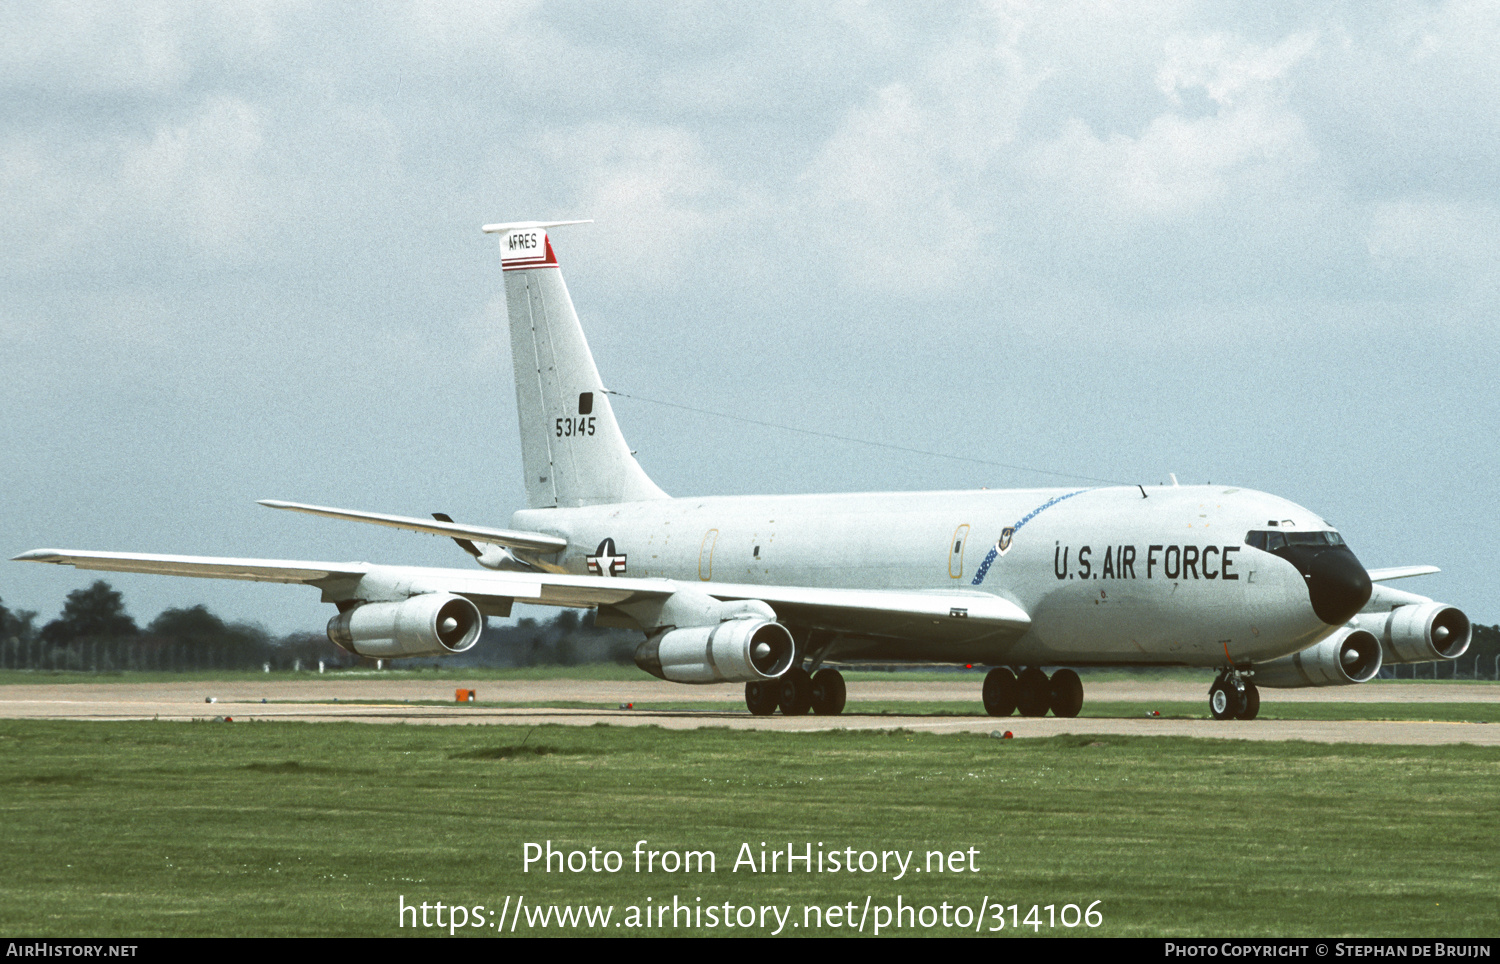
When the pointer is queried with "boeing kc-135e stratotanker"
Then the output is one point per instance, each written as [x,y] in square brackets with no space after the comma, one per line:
[764,590]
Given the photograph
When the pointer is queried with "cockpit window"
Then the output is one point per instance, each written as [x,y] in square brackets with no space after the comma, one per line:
[1271,541]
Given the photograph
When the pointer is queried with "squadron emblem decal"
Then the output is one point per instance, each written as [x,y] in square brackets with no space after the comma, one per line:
[605,562]
[1008,535]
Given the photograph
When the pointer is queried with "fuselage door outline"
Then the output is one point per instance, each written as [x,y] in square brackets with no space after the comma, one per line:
[956,552]
[706,555]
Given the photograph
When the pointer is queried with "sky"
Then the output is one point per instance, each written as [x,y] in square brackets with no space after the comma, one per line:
[1254,244]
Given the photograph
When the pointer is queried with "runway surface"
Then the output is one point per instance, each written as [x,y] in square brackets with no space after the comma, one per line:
[382,701]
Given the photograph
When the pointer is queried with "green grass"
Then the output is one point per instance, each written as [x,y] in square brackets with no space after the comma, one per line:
[157,828]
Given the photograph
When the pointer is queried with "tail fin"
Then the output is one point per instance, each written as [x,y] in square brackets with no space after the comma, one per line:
[571,446]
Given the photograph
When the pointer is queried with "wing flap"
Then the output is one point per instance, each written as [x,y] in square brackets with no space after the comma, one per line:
[978,611]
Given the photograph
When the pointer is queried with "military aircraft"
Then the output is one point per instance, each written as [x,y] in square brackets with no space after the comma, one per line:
[764,590]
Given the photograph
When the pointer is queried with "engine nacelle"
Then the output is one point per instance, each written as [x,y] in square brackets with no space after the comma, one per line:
[1420,632]
[1348,656]
[432,624]
[739,650]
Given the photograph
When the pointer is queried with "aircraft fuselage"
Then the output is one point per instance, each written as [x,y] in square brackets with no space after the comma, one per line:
[1109,575]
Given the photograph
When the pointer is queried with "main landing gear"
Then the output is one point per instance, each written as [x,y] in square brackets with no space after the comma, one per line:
[1033,693]
[797,692]
[1232,697]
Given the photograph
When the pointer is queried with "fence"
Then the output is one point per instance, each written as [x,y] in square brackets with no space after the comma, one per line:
[1480,666]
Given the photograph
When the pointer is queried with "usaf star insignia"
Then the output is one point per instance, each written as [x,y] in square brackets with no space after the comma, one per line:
[605,562]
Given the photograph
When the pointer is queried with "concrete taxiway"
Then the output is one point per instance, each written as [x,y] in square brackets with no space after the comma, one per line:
[375,700]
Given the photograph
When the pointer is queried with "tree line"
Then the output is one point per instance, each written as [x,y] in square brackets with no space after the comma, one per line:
[94,633]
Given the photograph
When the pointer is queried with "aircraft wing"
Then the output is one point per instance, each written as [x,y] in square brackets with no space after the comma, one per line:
[1400,572]
[208,567]
[493,592]
[533,541]
[868,612]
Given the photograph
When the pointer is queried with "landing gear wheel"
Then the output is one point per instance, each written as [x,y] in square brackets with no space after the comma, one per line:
[828,692]
[795,692]
[1000,692]
[761,697]
[1034,695]
[1225,702]
[1067,693]
[1252,702]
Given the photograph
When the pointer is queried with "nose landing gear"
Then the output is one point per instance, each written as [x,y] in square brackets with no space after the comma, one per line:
[1232,697]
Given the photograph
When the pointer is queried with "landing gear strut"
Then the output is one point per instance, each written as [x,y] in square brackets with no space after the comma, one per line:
[1032,693]
[1233,697]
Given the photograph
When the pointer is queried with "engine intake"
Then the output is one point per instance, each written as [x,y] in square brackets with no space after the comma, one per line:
[1348,656]
[432,624]
[1420,632]
[739,650]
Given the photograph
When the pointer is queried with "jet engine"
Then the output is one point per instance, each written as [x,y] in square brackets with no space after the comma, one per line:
[738,650]
[1420,632]
[1348,656]
[432,624]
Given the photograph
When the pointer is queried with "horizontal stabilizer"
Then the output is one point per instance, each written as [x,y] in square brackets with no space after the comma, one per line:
[532,541]
[1401,572]
[508,226]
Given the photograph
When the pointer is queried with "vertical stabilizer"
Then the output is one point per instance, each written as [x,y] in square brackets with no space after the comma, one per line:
[571,447]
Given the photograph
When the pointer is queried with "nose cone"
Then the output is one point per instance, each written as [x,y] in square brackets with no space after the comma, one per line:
[1338,585]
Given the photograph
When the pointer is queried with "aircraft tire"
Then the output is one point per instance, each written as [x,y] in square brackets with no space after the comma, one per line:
[795,693]
[1034,693]
[1067,694]
[1251,709]
[1000,692]
[1224,701]
[828,692]
[762,697]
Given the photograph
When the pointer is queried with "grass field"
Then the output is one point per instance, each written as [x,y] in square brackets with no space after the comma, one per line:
[154,828]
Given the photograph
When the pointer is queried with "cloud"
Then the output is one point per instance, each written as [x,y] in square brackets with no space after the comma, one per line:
[1227,68]
[657,197]
[1180,163]
[1437,249]
[903,191]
